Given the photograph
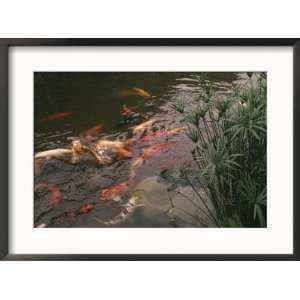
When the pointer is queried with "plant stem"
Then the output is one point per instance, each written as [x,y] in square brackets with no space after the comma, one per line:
[203,201]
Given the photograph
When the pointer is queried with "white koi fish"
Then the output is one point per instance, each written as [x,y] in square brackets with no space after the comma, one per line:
[127,211]
[54,153]
[143,126]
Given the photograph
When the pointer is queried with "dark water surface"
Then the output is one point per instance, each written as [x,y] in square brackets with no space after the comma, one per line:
[94,98]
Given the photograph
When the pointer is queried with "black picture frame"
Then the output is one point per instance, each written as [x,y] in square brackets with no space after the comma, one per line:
[5,44]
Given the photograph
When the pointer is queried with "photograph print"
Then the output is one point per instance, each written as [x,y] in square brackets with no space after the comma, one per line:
[150,149]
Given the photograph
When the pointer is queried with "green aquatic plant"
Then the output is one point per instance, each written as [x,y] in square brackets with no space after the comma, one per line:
[229,137]
[194,134]
[223,106]
[179,106]
[254,199]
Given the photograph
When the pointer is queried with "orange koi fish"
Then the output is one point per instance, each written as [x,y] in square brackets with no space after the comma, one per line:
[86,208]
[54,117]
[135,92]
[115,191]
[152,136]
[56,196]
[141,92]
[91,131]
[156,149]
[160,133]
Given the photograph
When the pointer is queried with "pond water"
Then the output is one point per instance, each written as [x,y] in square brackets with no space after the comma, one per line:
[89,99]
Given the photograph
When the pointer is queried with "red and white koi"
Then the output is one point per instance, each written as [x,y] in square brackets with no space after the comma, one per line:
[116,191]
[156,149]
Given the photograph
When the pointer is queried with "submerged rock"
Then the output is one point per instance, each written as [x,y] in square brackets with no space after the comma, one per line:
[180,207]
[188,207]
[153,194]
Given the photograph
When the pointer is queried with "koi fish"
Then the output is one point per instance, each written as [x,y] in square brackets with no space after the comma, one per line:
[134,92]
[156,149]
[86,208]
[63,154]
[91,131]
[57,116]
[54,153]
[78,149]
[177,130]
[141,92]
[103,151]
[56,196]
[106,149]
[160,133]
[127,113]
[111,144]
[126,212]
[143,126]
[152,136]
[115,191]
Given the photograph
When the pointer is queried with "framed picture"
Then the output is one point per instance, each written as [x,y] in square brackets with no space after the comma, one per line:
[149,149]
